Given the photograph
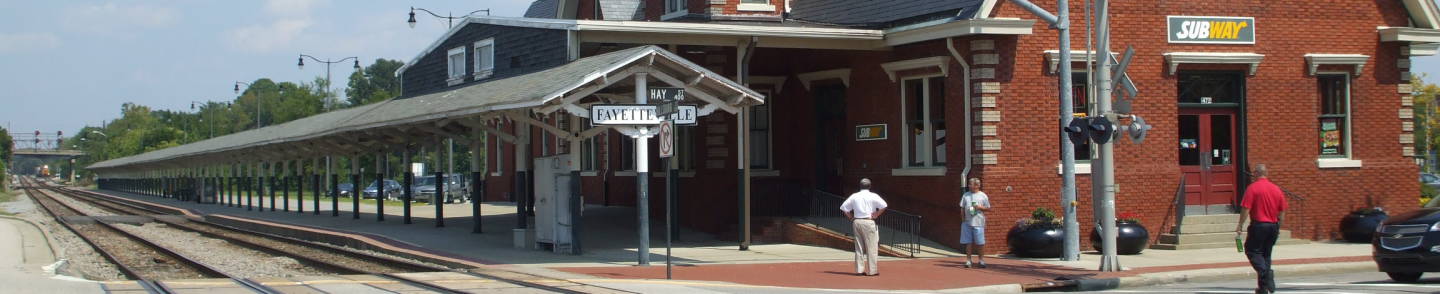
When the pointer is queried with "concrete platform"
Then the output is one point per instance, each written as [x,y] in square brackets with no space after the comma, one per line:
[608,234]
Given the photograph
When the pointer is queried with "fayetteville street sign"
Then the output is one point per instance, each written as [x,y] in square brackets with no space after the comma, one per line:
[638,114]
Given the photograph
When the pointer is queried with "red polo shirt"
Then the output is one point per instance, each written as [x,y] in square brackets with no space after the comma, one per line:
[1265,201]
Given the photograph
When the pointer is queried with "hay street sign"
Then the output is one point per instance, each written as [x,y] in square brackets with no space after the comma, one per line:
[638,115]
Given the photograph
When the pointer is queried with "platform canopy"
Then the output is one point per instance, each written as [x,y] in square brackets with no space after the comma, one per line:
[455,113]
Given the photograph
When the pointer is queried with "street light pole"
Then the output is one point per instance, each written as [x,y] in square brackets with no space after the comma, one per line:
[327,63]
[449,17]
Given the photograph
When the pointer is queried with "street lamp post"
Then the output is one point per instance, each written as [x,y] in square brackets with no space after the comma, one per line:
[449,17]
[327,63]
[258,100]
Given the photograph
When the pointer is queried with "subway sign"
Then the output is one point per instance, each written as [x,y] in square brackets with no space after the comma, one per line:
[1211,29]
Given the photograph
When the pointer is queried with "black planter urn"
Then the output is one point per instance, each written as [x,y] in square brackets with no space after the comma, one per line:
[1036,241]
[1130,240]
[1360,227]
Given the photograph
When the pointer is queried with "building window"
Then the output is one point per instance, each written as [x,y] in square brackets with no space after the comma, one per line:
[1080,106]
[627,153]
[755,1]
[685,147]
[675,8]
[456,60]
[760,146]
[587,154]
[499,153]
[923,105]
[1334,115]
[484,58]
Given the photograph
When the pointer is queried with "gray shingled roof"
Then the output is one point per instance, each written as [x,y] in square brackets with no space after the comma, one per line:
[877,12]
[517,92]
[622,9]
[543,9]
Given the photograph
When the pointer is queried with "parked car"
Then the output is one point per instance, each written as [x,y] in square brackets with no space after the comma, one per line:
[1408,245]
[455,189]
[392,190]
[344,189]
[1431,180]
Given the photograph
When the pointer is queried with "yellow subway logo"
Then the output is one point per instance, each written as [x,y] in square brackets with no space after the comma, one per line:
[1222,30]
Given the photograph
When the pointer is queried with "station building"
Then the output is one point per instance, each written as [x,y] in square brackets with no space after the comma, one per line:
[800,99]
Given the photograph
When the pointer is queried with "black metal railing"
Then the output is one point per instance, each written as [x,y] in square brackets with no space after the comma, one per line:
[1298,218]
[904,228]
[1179,207]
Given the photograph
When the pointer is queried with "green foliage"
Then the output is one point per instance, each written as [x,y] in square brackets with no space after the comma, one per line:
[1042,214]
[7,145]
[375,83]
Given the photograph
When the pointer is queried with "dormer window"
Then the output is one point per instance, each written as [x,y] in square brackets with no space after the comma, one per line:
[456,60]
[484,58]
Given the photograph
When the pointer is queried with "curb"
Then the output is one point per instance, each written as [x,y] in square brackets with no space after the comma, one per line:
[1220,274]
[1003,288]
[49,240]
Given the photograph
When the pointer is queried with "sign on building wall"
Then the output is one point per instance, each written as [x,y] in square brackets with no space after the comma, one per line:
[874,132]
[1211,29]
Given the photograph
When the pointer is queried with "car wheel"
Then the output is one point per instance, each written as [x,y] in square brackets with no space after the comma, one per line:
[1404,277]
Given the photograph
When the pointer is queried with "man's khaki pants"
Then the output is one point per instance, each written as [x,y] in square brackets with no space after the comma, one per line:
[867,238]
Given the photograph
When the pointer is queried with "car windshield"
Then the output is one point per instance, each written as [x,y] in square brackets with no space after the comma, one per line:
[426,181]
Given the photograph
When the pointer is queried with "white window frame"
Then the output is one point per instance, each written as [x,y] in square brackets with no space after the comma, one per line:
[756,6]
[928,168]
[769,131]
[622,170]
[1082,166]
[671,11]
[1346,161]
[450,66]
[482,70]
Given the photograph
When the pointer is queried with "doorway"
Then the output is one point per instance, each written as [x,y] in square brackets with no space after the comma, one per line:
[831,134]
[1211,140]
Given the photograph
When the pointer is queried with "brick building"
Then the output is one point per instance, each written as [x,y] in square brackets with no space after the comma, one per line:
[977,80]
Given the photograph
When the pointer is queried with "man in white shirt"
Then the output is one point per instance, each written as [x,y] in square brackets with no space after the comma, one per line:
[972,231]
[863,208]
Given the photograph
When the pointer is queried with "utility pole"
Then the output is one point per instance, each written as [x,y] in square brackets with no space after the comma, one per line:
[1061,23]
[1104,178]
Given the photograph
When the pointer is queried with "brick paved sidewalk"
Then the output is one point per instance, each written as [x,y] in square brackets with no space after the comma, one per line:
[918,274]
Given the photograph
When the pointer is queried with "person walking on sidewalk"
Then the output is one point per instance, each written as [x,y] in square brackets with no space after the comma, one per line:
[863,208]
[1265,204]
[972,231]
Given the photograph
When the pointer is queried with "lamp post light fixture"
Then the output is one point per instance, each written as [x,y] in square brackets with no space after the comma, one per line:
[327,62]
[449,18]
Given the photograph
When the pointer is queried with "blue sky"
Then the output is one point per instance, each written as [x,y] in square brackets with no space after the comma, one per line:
[73,63]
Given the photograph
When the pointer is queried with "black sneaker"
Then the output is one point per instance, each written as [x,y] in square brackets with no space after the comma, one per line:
[982,264]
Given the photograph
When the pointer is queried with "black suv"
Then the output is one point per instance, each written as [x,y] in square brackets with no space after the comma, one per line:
[1408,245]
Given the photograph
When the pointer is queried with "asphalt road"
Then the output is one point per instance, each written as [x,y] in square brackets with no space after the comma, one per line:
[1369,282]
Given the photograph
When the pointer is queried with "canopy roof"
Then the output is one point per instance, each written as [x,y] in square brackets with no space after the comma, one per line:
[527,92]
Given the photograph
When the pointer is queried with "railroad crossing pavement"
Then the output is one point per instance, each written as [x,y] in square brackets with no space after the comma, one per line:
[24,252]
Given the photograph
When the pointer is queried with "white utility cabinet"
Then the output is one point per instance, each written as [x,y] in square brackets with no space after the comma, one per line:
[552,203]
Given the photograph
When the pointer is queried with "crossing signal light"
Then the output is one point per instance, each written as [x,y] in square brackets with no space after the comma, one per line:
[1101,130]
[1077,130]
[1138,128]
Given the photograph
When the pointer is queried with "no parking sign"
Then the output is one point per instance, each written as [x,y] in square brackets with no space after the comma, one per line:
[667,139]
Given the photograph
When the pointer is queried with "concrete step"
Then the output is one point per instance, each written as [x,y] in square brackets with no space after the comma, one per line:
[1229,244]
[1211,219]
[1204,228]
[1208,237]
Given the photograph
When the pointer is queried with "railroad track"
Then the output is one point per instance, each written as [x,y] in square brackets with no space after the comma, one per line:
[137,258]
[324,256]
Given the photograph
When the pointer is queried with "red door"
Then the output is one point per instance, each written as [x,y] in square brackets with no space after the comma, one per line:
[1207,157]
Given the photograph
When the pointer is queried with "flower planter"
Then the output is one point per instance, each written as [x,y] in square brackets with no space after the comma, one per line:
[1360,227]
[1036,241]
[1132,238]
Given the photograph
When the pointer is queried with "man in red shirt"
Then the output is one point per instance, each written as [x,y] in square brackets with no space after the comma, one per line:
[1265,203]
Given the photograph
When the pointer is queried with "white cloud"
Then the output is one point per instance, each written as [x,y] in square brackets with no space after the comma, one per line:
[111,18]
[263,38]
[23,42]
[292,7]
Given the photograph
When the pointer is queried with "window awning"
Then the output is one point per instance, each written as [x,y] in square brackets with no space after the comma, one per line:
[545,91]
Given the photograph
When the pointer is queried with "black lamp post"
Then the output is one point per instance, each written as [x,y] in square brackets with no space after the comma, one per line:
[327,62]
[449,18]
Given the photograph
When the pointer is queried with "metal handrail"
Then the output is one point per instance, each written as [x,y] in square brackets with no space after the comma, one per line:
[1179,206]
[826,205]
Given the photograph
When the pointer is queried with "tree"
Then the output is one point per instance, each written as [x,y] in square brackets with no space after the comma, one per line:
[7,145]
[1427,119]
[375,83]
